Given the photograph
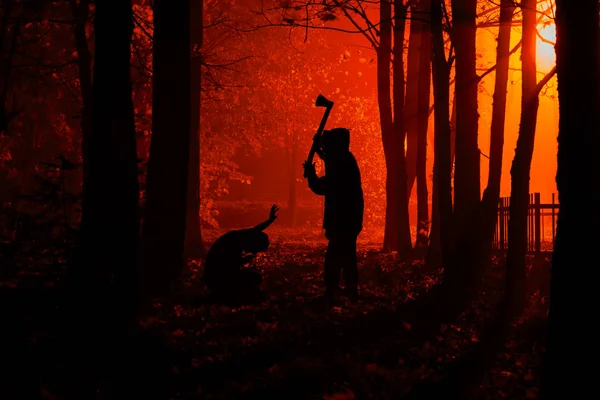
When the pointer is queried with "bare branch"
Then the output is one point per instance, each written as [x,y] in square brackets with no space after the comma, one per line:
[137,21]
[367,33]
[543,39]
[545,80]
[493,68]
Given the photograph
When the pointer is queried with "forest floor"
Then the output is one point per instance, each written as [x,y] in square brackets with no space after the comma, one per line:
[290,345]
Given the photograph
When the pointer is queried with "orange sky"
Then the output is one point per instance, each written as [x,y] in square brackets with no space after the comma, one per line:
[348,58]
[543,169]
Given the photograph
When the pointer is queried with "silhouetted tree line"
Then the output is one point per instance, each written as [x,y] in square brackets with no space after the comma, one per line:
[120,265]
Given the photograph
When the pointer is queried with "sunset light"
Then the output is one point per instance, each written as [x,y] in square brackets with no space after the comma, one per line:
[337,200]
[545,46]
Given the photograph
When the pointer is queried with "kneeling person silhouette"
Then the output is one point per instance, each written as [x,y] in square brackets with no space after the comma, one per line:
[224,270]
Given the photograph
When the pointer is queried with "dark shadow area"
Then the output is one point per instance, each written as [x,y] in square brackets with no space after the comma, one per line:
[397,342]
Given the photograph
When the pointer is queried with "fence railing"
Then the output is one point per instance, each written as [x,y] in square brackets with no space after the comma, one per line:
[541,224]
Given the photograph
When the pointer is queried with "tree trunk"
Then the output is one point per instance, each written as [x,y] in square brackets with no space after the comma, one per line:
[433,257]
[415,47]
[466,175]
[103,281]
[84,65]
[106,254]
[491,195]
[442,192]
[6,65]
[521,166]
[466,171]
[193,237]
[26,154]
[453,130]
[163,234]
[434,249]
[384,99]
[574,294]
[404,244]
[293,185]
[424,79]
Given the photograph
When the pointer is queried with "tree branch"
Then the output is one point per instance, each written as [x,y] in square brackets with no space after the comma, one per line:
[545,80]
[493,68]
[367,33]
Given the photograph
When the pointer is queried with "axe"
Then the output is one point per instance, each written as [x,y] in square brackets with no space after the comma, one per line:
[328,104]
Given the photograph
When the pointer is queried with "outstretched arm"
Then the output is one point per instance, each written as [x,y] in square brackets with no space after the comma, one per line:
[272,217]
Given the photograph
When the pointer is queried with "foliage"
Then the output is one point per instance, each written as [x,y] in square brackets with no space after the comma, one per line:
[274,99]
[291,341]
[45,222]
[218,144]
[52,207]
[251,98]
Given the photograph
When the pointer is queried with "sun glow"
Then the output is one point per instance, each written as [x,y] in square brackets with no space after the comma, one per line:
[545,45]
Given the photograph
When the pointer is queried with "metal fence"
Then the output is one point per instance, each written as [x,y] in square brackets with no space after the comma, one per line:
[541,224]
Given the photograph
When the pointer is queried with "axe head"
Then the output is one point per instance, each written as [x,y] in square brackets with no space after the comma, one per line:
[323,102]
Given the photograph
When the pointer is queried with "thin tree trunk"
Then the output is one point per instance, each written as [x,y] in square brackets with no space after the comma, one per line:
[466,171]
[404,237]
[572,333]
[6,67]
[521,165]
[453,130]
[433,258]
[434,250]
[84,65]
[422,126]
[384,98]
[434,235]
[415,47]
[491,195]
[442,164]
[293,185]
[6,12]
[163,234]
[27,155]
[193,238]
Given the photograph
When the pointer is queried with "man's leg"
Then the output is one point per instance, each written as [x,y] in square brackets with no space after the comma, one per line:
[350,267]
[331,273]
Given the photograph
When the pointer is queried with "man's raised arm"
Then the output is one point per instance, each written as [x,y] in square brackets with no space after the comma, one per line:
[316,184]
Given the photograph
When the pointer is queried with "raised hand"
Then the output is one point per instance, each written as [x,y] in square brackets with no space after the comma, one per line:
[273,213]
[320,153]
[272,217]
[309,169]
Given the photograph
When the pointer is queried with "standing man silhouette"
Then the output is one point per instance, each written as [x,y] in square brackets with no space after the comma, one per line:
[344,207]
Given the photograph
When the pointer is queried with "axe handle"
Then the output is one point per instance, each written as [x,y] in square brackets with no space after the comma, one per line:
[315,144]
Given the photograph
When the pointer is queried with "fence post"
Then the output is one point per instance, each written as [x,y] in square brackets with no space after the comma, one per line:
[502,205]
[537,230]
[531,222]
[553,218]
